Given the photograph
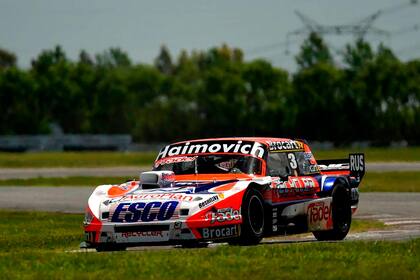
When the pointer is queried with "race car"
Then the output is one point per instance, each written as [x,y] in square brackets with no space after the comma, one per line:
[234,190]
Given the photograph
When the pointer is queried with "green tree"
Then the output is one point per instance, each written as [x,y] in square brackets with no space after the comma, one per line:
[113,57]
[163,62]
[315,102]
[7,59]
[267,91]
[19,104]
[358,55]
[58,87]
[313,51]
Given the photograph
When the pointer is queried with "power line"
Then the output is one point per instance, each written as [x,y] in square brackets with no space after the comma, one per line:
[265,48]
[406,29]
[358,29]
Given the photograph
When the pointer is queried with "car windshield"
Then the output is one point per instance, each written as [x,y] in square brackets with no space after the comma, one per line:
[210,164]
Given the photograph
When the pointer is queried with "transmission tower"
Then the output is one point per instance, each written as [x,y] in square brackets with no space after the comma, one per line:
[359,29]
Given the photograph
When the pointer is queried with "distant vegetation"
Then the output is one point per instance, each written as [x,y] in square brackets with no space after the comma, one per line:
[372,96]
[145,159]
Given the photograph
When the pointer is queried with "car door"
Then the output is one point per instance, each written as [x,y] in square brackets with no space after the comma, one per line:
[289,182]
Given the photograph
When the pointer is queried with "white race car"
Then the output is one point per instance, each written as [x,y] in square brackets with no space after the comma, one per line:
[235,190]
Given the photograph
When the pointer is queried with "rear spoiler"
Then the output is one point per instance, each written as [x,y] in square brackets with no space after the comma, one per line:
[355,164]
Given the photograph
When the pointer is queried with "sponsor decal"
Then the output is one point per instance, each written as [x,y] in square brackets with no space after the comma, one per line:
[168,177]
[208,201]
[334,166]
[308,156]
[318,212]
[174,160]
[219,232]
[145,212]
[294,186]
[162,196]
[223,215]
[313,169]
[295,183]
[242,147]
[357,162]
[289,145]
[156,233]
[126,186]
[357,165]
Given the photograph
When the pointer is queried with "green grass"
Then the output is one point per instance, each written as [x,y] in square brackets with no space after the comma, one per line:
[64,181]
[36,245]
[96,159]
[33,246]
[391,182]
[373,154]
[21,231]
[358,225]
[76,159]
[372,182]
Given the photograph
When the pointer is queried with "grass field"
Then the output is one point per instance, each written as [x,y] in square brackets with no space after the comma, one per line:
[372,182]
[76,159]
[94,159]
[373,154]
[391,182]
[64,181]
[35,245]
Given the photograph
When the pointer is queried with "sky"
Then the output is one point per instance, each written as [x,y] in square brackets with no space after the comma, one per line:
[140,27]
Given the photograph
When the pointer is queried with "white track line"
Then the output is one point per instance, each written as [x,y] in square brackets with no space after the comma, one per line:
[406,222]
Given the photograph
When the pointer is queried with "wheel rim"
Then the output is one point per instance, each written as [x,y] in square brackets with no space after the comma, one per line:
[256,214]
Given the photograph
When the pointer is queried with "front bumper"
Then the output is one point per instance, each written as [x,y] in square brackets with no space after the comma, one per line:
[159,233]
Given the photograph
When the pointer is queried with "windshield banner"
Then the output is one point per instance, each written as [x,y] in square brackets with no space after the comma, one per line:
[211,147]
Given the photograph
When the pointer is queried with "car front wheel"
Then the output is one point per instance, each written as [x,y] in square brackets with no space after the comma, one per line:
[252,211]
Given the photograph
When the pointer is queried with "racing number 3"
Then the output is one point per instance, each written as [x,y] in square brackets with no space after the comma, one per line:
[292,160]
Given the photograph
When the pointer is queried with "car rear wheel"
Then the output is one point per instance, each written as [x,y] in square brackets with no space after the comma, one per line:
[252,211]
[341,215]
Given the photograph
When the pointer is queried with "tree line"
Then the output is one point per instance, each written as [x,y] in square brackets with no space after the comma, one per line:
[366,94]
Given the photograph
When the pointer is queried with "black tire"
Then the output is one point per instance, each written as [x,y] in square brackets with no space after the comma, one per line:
[110,247]
[341,215]
[252,211]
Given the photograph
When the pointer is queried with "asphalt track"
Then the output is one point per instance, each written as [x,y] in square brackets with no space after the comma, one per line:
[399,210]
[134,171]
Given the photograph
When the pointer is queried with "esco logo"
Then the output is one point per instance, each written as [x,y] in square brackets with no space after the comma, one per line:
[145,212]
